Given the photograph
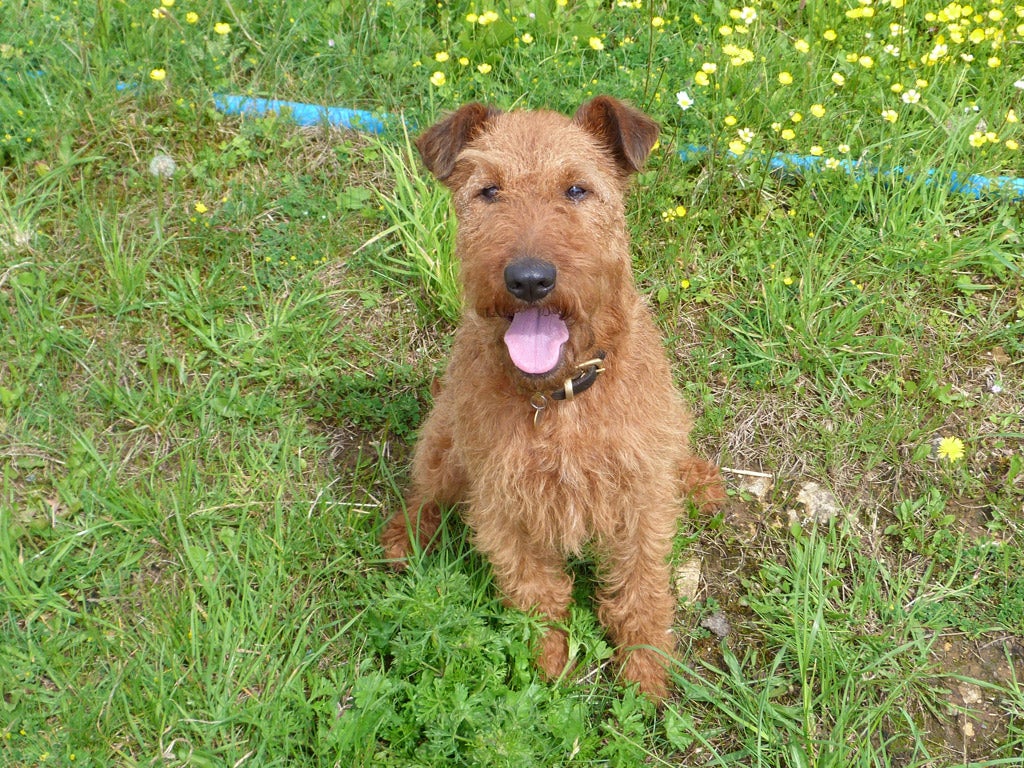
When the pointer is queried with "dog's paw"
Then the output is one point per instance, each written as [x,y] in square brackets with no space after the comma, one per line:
[553,653]
[396,543]
[646,668]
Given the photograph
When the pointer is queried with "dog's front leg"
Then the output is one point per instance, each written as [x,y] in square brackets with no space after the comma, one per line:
[533,579]
[637,608]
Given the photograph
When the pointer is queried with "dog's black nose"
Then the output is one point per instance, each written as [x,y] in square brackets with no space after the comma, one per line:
[530,279]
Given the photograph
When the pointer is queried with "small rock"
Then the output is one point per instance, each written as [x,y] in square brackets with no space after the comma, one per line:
[971,694]
[687,579]
[757,486]
[819,504]
[717,623]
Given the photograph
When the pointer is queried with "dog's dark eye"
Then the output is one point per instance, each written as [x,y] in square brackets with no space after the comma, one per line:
[490,193]
[575,193]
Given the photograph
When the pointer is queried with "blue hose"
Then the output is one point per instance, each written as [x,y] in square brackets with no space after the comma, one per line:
[974,185]
[305,114]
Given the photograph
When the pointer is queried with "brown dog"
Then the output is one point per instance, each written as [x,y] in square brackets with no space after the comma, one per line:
[557,426]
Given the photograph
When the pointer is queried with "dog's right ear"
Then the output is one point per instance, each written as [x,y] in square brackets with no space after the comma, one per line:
[441,144]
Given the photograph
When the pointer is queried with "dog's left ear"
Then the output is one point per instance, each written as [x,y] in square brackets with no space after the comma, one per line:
[627,133]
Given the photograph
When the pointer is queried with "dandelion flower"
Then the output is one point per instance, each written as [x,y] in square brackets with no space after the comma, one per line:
[683,100]
[157,74]
[200,207]
[951,449]
[162,166]
[222,28]
[596,44]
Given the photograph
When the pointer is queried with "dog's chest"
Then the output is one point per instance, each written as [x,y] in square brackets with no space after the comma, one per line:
[564,482]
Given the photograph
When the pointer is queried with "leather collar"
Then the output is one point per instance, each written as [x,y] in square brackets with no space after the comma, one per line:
[577,385]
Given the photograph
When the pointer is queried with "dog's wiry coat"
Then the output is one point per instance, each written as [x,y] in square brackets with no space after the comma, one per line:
[606,469]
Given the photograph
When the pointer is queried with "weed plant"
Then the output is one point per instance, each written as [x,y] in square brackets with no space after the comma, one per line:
[217,337]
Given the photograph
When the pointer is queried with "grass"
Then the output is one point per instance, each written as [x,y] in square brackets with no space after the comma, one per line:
[210,382]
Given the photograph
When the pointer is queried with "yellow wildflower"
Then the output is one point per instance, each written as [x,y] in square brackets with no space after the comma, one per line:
[951,449]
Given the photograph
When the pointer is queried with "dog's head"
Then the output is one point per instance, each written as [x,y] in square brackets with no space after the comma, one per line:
[542,238]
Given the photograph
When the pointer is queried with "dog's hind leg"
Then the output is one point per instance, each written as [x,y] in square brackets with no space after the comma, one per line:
[437,479]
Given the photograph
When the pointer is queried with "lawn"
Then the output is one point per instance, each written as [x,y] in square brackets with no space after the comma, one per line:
[218,335]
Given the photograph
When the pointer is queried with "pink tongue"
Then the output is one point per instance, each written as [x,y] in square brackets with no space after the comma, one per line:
[535,340]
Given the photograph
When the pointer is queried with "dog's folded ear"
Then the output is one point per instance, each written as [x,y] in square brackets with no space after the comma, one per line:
[627,133]
[441,144]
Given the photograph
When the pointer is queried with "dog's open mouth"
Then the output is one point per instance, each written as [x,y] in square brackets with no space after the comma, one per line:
[535,339]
